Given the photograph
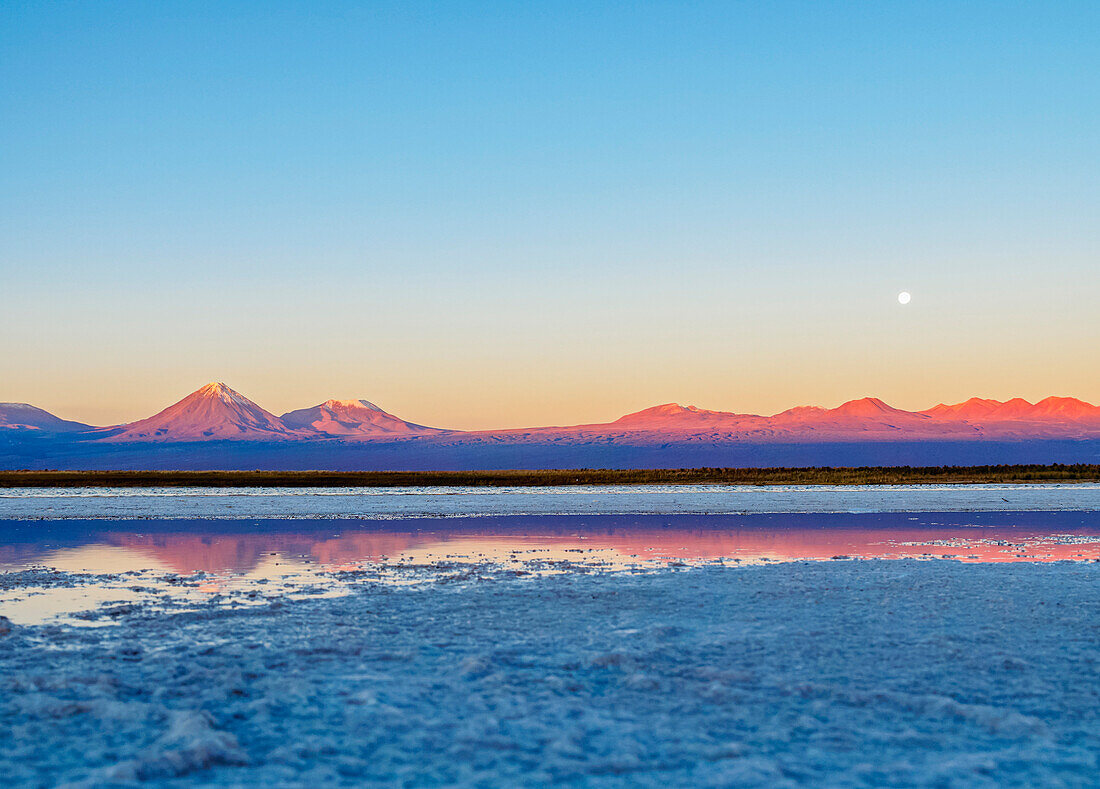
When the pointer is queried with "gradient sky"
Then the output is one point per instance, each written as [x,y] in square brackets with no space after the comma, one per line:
[508,214]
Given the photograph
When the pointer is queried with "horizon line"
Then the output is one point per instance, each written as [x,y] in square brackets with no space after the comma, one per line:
[217,386]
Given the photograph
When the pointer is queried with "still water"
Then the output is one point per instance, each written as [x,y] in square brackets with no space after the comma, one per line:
[63,552]
[59,568]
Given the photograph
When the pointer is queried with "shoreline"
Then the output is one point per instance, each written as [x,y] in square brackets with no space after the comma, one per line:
[389,503]
[862,475]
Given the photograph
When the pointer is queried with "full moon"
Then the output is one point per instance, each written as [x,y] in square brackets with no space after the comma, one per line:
[903,297]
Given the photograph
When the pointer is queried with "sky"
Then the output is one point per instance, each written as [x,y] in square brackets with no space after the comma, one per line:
[510,214]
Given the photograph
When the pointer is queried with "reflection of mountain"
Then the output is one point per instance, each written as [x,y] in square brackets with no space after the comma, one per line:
[188,553]
[629,539]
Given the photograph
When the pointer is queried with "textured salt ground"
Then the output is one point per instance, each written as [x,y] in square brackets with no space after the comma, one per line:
[822,673]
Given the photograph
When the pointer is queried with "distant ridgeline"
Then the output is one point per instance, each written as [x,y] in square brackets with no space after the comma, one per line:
[216,427]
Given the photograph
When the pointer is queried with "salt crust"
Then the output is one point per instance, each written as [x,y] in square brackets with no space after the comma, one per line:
[822,673]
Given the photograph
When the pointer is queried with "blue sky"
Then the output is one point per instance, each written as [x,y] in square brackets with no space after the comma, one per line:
[484,215]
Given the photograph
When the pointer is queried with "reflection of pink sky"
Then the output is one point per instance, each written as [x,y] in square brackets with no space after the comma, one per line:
[242,553]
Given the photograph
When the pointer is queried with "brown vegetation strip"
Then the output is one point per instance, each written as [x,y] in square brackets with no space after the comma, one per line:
[872,475]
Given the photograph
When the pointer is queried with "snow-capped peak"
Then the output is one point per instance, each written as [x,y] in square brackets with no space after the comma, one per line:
[224,392]
[351,419]
[336,405]
[212,411]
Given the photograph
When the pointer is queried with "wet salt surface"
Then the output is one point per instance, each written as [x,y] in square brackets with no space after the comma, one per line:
[589,649]
[62,570]
[244,503]
[840,673]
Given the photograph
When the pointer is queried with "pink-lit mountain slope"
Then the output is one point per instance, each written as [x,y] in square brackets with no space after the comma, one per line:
[21,416]
[351,419]
[855,413]
[1052,417]
[1051,409]
[867,419]
[872,419]
[216,412]
[676,416]
[213,412]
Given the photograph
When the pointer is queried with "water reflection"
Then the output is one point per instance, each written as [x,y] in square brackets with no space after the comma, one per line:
[263,547]
[169,563]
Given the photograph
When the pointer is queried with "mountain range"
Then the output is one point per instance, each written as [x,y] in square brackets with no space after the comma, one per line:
[202,429]
[217,412]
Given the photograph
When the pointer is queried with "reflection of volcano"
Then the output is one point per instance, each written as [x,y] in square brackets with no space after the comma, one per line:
[193,546]
[241,553]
